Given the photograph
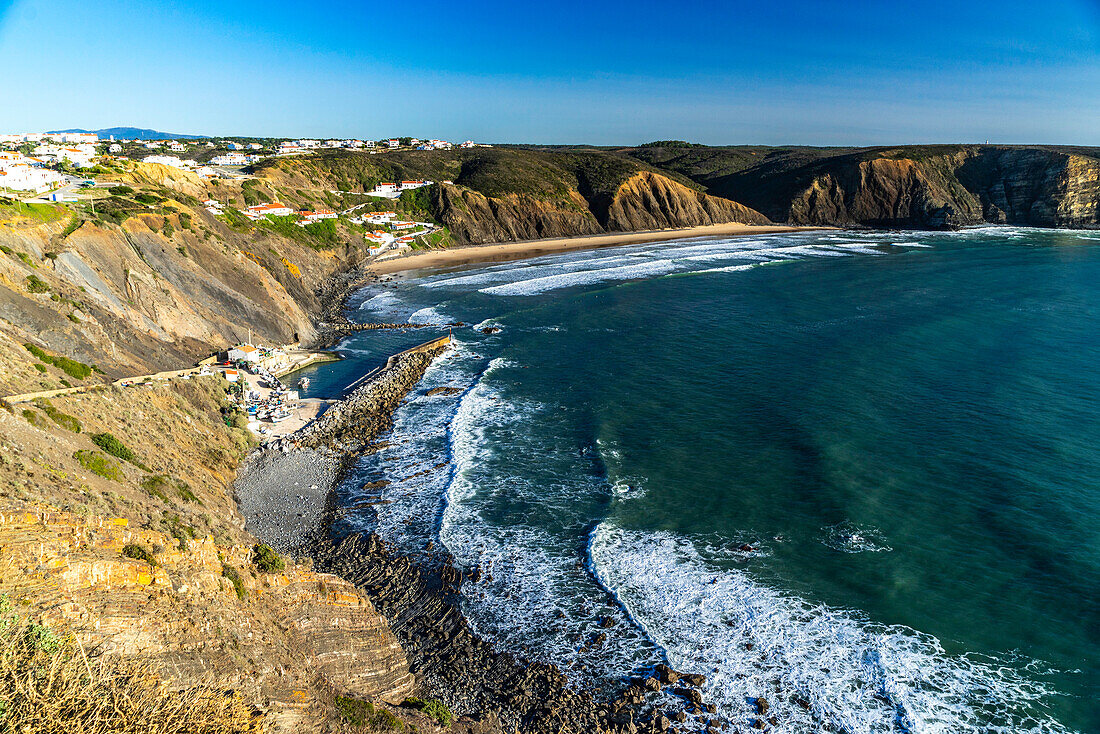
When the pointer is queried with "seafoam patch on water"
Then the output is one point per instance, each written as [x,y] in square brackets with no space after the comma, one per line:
[384,302]
[430,315]
[818,667]
[848,537]
[542,284]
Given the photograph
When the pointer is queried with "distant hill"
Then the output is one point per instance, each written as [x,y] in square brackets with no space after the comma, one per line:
[131,133]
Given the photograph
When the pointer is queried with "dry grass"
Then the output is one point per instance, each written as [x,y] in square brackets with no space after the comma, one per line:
[50,685]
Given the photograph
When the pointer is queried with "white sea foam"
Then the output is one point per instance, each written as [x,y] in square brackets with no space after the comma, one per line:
[735,268]
[818,667]
[850,538]
[534,594]
[384,301]
[430,315]
[546,283]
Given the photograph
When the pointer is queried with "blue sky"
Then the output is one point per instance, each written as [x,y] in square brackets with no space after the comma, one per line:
[800,72]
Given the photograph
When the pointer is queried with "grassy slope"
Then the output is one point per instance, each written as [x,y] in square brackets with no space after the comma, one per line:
[494,172]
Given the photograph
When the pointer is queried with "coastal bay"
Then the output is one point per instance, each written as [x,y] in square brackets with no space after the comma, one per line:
[548,553]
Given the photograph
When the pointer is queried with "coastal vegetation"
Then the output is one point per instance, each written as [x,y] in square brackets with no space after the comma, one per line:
[116,448]
[98,464]
[266,559]
[138,552]
[71,367]
[49,682]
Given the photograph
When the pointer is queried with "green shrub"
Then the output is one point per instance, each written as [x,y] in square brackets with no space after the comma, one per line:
[139,552]
[120,190]
[98,464]
[72,226]
[40,367]
[266,559]
[62,419]
[155,485]
[355,711]
[34,418]
[71,367]
[26,259]
[148,198]
[386,721]
[432,708]
[36,284]
[116,448]
[235,578]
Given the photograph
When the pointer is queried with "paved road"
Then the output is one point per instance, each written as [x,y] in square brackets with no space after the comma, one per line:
[69,189]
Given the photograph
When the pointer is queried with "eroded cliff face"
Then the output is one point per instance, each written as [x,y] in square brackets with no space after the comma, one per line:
[1034,187]
[646,200]
[155,293]
[884,192]
[477,219]
[959,186]
[651,201]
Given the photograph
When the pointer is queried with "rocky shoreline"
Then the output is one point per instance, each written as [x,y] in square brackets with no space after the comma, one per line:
[287,493]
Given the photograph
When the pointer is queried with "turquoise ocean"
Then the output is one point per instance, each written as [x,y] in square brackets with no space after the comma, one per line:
[857,474]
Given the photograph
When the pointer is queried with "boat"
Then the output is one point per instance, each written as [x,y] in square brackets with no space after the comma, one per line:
[303,384]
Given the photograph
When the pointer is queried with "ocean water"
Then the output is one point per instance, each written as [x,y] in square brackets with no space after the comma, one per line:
[856,474]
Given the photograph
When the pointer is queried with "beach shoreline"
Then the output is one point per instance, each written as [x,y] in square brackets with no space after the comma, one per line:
[508,251]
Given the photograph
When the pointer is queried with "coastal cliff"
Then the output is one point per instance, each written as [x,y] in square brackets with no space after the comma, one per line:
[135,288]
[644,201]
[511,194]
[907,186]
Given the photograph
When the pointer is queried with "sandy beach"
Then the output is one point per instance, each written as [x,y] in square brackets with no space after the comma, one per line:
[502,252]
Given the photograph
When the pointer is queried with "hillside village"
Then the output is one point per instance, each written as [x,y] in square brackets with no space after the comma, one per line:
[68,167]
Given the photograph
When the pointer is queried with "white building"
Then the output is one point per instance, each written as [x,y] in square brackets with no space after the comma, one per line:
[316,216]
[393,143]
[177,147]
[114,148]
[168,160]
[245,353]
[264,210]
[255,146]
[230,159]
[23,174]
[79,155]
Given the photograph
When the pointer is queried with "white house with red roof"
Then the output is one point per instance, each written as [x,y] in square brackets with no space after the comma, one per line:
[268,210]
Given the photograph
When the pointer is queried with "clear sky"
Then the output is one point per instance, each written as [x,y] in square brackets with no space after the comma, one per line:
[619,72]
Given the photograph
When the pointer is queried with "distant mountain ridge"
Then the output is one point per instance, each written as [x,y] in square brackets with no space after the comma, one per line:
[130,133]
